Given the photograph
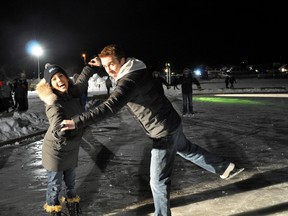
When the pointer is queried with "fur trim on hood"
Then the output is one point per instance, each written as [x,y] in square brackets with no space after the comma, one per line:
[45,93]
[131,65]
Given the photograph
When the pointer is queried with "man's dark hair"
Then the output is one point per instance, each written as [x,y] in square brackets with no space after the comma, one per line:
[113,49]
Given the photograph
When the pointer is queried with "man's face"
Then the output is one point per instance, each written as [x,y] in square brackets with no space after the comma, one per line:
[186,74]
[60,82]
[112,65]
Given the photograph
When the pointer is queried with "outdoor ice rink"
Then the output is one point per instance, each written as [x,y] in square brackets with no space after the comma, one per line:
[113,171]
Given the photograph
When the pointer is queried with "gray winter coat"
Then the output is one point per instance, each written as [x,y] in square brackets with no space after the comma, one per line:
[60,149]
[136,88]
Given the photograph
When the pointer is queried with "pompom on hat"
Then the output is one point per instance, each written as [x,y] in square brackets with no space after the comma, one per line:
[51,70]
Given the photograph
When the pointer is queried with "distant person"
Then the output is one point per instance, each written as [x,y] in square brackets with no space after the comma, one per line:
[21,94]
[84,96]
[160,81]
[187,82]
[136,89]
[108,83]
[14,85]
[25,86]
[227,81]
[5,96]
[60,148]
[230,80]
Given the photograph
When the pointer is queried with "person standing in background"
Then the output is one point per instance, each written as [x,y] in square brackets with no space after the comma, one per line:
[187,82]
[21,94]
[232,81]
[160,81]
[84,95]
[14,85]
[108,83]
[5,96]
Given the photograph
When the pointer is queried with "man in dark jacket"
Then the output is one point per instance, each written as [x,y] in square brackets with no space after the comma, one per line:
[136,88]
[186,82]
[108,83]
[160,81]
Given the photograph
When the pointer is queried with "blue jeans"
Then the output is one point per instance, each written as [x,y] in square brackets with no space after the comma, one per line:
[163,156]
[84,101]
[187,98]
[55,185]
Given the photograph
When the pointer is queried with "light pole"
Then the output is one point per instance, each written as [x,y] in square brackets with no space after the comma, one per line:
[168,71]
[84,57]
[37,51]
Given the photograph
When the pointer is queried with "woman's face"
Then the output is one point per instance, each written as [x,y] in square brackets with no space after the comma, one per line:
[60,82]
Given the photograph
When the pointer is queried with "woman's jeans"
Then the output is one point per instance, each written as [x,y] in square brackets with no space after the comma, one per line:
[55,185]
[163,156]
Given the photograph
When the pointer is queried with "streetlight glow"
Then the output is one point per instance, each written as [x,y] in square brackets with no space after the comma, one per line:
[35,49]
[168,71]
[84,58]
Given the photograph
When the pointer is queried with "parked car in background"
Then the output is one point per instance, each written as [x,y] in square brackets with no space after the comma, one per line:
[216,72]
[269,70]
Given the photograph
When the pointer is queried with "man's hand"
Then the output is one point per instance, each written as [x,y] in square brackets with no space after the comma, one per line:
[67,125]
[95,62]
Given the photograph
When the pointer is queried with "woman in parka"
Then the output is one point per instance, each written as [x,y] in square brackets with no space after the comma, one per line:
[60,150]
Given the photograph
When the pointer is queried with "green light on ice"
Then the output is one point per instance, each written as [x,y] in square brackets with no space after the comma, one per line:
[226,100]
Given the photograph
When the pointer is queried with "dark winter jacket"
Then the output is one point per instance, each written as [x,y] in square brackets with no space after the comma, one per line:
[160,81]
[60,149]
[136,88]
[187,82]
[5,91]
[21,89]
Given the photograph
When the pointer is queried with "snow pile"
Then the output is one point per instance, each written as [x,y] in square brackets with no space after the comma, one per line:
[21,124]
[25,123]
[97,85]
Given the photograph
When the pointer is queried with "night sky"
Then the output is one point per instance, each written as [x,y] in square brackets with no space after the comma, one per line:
[184,33]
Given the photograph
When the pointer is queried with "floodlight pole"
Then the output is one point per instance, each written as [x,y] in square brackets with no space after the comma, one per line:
[38,67]
[168,71]
[37,51]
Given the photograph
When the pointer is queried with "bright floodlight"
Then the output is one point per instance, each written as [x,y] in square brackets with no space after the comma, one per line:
[34,48]
[197,72]
[37,50]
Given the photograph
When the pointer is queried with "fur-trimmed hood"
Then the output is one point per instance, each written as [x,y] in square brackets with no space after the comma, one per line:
[45,93]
